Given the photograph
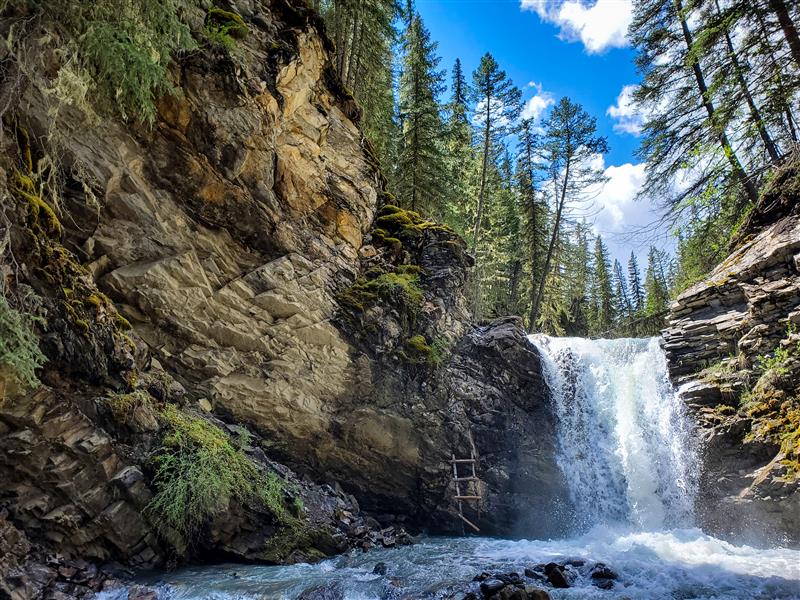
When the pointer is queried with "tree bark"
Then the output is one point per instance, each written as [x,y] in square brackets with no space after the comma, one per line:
[788,27]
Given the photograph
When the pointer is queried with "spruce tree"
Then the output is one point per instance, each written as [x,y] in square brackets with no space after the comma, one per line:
[422,171]
[534,209]
[602,292]
[364,38]
[656,287]
[636,288]
[622,300]
[460,156]
[497,108]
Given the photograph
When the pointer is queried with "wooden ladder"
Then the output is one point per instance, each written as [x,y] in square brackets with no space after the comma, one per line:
[467,495]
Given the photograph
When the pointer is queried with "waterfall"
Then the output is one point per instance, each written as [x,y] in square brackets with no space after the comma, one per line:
[624,440]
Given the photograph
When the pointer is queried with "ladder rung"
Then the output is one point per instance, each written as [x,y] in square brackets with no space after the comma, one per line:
[467,497]
[465,478]
[463,460]
[470,523]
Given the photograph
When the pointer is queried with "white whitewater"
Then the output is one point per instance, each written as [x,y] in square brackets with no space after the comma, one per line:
[625,448]
[625,444]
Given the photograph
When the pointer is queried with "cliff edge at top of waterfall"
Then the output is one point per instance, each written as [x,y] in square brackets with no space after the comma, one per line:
[733,345]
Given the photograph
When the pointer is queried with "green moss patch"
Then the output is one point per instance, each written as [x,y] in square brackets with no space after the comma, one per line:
[224,27]
[400,288]
[396,225]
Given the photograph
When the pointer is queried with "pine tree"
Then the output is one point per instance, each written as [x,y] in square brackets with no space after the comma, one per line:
[497,108]
[422,172]
[569,146]
[637,290]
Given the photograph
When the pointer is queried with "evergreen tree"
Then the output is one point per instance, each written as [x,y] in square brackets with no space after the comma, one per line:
[535,210]
[684,132]
[497,108]
[622,299]
[569,146]
[656,287]
[603,312]
[637,290]
[460,156]
[577,260]
[364,38]
[422,172]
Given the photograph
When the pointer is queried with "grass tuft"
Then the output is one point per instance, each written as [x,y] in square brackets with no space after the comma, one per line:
[199,471]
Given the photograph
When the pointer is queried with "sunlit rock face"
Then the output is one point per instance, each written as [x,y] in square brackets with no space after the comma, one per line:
[227,235]
[732,344]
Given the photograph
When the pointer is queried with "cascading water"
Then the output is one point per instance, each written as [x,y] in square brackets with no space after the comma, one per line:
[625,449]
[624,440]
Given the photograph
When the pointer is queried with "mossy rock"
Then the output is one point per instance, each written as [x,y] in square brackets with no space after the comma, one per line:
[227,22]
[397,288]
[399,225]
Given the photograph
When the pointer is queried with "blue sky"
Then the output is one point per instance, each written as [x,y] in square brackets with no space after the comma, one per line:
[555,48]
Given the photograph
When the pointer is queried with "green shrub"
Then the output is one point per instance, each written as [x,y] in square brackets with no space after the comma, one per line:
[123,46]
[774,362]
[198,471]
[223,28]
[19,346]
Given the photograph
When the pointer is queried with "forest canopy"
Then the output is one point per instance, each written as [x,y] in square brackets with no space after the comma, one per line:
[718,99]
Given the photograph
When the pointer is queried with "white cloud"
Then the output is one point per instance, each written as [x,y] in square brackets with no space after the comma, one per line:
[598,26]
[627,119]
[536,106]
[618,208]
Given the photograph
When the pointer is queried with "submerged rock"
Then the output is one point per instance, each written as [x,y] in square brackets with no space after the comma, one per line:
[331,591]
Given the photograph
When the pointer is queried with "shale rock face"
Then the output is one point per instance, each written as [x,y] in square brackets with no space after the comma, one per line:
[732,346]
[232,265]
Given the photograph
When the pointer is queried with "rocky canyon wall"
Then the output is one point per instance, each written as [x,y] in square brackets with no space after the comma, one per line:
[733,347]
[231,261]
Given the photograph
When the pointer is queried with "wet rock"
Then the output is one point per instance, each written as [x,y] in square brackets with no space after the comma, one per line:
[509,578]
[140,592]
[331,591]
[535,573]
[380,569]
[603,584]
[556,576]
[491,585]
[601,571]
[719,330]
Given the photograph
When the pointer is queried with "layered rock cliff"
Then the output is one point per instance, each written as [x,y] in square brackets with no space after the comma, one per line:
[219,283]
[733,346]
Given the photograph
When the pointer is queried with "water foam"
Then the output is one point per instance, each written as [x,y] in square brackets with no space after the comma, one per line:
[624,440]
